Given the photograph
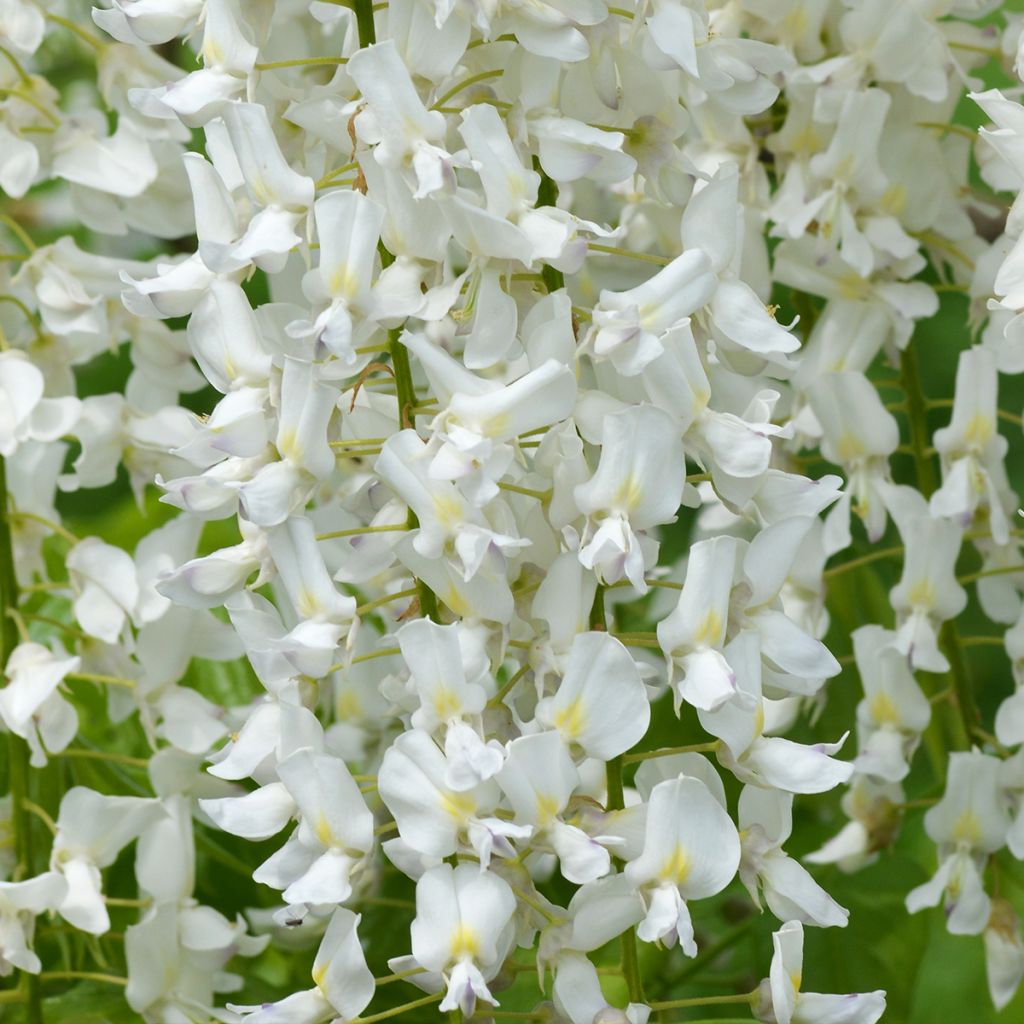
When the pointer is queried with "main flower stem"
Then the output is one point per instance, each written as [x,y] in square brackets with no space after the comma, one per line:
[547,195]
[364,22]
[406,400]
[917,414]
[616,801]
[17,748]
[399,354]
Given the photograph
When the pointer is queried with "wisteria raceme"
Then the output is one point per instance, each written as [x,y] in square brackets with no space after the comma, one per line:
[465,471]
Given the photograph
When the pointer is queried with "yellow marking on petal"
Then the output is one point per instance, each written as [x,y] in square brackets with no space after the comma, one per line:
[795,23]
[498,425]
[759,719]
[323,831]
[796,977]
[448,510]
[571,719]
[319,973]
[967,828]
[853,286]
[849,447]
[843,168]
[921,594]
[629,494]
[288,445]
[455,601]
[342,282]
[465,943]
[458,805]
[212,53]
[349,705]
[807,140]
[882,710]
[894,199]
[709,633]
[308,604]
[979,431]
[547,808]
[260,191]
[446,703]
[676,867]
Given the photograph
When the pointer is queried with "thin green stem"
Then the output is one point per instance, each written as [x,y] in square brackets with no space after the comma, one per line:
[29,315]
[937,241]
[389,979]
[499,697]
[360,530]
[541,496]
[18,231]
[56,623]
[436,997]
[103,755]
[103,680]
[109,979]
[638,639]
[357,453]
[956,129]
[1003,414]
[665,584]
[526,898]
[34,103]
[53,527]
[359,442]
[386,599]
[482,76]
[87,37]
[387,901]
[330,176]
[982,641]
[856,563]
[45,587]
[127,901]
[33,808]
[16,64]
[301,62]
[1000,570]
[679,1004]
[614,250]
[17,748]
[912,805]
[986,51]
[692,748]
[387,652]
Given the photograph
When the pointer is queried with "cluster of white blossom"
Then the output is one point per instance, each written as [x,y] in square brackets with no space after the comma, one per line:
[480,295]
